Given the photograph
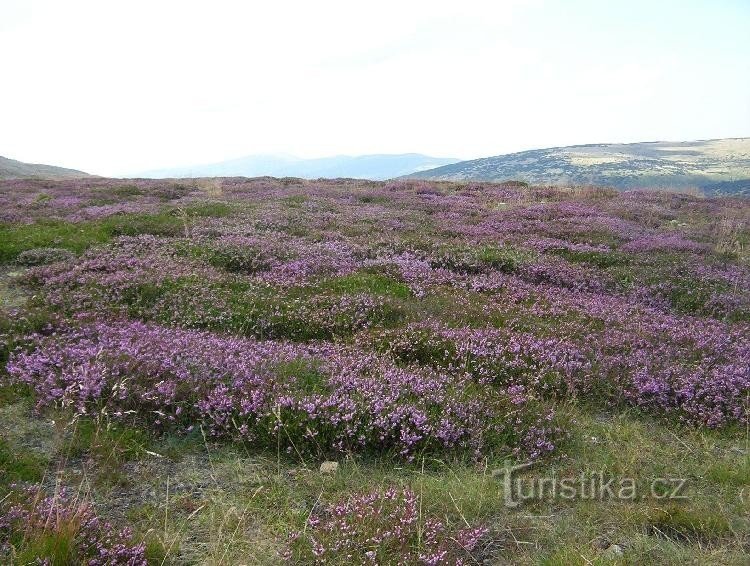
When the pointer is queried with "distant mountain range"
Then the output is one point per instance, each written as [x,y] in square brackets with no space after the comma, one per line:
[12,169]
[714,166]
[720,166]
[357,167]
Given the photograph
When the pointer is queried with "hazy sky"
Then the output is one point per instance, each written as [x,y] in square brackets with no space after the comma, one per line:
[117,87]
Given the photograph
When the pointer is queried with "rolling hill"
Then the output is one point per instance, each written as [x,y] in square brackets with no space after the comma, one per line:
[381,166]
[714,166]
[12,169]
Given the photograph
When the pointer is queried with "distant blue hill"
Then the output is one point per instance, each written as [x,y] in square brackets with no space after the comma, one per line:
[383,166]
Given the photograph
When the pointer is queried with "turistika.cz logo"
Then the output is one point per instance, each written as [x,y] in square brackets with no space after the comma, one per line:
[596,485]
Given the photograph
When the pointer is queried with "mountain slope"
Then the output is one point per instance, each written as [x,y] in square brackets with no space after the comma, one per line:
[12,169]
[716,166]
[382,166]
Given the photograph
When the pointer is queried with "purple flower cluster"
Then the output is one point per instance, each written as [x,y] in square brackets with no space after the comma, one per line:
[698,369]
[314,396]
[79,200]
[664,242]
[27,513]
[384,526]
[482,301]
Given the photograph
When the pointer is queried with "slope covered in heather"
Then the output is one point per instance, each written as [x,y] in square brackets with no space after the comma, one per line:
[209,370]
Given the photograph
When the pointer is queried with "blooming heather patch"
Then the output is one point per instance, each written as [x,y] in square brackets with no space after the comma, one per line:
[385,526]
[697,369]
[510,360]
[664,242]
[404,321]
[317,396]
[424,316]
[60,529]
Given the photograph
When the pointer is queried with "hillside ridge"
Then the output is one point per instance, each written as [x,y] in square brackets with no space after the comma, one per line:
[13,169]
[714,166]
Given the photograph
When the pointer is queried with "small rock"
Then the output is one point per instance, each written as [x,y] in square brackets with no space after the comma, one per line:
[613,551]
[601,543]
[328,467]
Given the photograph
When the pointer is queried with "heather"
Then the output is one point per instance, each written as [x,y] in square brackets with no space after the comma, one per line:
[61,528]
[419,334]
[317,397]
[381,527]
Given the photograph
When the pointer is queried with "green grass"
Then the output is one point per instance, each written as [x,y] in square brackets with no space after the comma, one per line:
[305,375]
[107,441]
[106,445]
[235,305]
[732,473]
[505,259]
[74,237]
[79,236]
[58,547]
[709,527]
[295,201]
[602,260]
[18,465]
[237,259]
[682,524]
[363,282]
[212,209]
[473,259]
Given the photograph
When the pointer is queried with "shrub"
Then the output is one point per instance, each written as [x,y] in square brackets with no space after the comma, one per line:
[61,529]
[43,256]
[385,526]
[304,396]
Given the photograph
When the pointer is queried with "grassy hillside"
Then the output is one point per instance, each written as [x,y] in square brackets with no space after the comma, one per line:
[12,169]
[714,166]
[264,371]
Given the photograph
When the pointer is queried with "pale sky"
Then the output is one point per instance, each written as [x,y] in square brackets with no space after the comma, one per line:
[119,87]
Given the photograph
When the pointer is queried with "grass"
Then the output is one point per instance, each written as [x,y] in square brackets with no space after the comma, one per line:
[226,503]
[602,260]
[75,237]
[79,236]
[108,443]
[476,259]
[305,375]
[363,282]
[548,532]
[294,313]
[17,465]
[57,547]
[688,525]
[505,259]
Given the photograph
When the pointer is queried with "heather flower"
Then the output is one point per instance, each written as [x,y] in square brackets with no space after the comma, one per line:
[384,526]
[28,513]
[316,396]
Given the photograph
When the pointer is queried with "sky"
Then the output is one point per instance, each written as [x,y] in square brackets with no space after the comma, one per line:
[114,88]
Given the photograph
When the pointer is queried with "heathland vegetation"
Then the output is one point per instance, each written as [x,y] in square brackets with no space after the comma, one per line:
[178,358]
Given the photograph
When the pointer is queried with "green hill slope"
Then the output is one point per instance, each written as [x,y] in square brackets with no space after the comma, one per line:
[12,169]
